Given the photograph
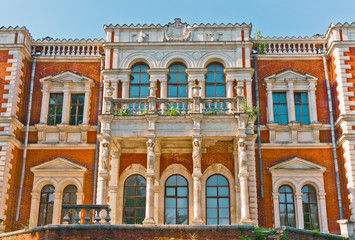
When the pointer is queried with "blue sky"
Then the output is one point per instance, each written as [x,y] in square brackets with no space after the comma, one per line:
[85,18]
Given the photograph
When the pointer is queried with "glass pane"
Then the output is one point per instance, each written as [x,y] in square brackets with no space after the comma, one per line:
[140,181]
[276,109]
[305,109]
[74,98]
[139,220]
[312,198]
[283,119]
[283,109]
[224,221]
[59,110]
[80,110]
[306,119]
[173,68]
[141,191]
[291,220]
[182,213]
[223,202]
[144,78]
[50,197]
[275,97]
[218,67]
[211,191]
[172,91]
[219,77]
[170,191]
[129,212]
[297,98]
[130,181]
[212,221]
[220,91]
[52,99]
[171,181]
[212,181]
[182,91]
[304,98]
[212,202]
[66,198]
[129,191]
[144,91]
[134,78]
[290,208]
[305,198]
[182,202]
[181,181]
[170,220]
[212,212]
[282,97]
[224,212]
[49,213]
[222,181]
[129,202]
[128,221]
[140,212]
[181,221]
[81,99]
[223,191]
[210,91]
[140,202]
[210,78]
[170,213]
[289,198]
[182,78]
[170,203]
[134,93]
[282,208]
[182,191]
[172,78]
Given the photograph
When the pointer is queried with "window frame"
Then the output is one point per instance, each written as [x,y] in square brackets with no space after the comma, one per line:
[134,199]
[215,83]
[47,204]
[140,84]
[55,105]
[71,213]
[286,203]
[279,104]
[308,205]
[178,83]
[302,116]
[77,106]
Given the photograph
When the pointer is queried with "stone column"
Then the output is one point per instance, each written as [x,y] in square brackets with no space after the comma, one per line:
[114,172]
[290,102]
[103,176]
[323,213]
[243,181]
[299,210]
[312,103]
[149,208]
[56,208]
[66,106]
[196,175]
[275,197]
[125,89]
[229,88]
[45,105]
[270,106]
[86,113]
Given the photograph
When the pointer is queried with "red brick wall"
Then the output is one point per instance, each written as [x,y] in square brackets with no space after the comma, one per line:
[44,69]
[128,159]
[34,158]
[322,157]
[4,56]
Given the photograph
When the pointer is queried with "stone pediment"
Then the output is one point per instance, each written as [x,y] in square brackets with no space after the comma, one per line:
[58,164]
[67,77]
[296,163]
[290,75]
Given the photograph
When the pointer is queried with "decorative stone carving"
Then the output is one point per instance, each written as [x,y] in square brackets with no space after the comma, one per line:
[242,154]
[151,153]
[141,36]
[177,32]
[105,157]
[196,155]
[212,36]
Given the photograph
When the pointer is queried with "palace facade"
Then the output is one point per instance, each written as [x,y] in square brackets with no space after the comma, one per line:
[158,123]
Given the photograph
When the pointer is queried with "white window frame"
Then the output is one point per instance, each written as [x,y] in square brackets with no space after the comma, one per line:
[303,173]
[59,173]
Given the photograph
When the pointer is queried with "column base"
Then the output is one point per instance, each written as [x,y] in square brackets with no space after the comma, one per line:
[197,222]
[149,221]
[246,221]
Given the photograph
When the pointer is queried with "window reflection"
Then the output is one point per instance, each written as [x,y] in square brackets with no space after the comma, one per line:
[134,200]
[176,200]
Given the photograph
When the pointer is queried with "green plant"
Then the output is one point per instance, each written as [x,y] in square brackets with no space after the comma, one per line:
[259,44]
[209,112]
[172,111]
[122,112]
[253,111]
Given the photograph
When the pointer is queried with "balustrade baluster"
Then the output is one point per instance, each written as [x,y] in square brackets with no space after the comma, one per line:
[77,216]
[97,217]
[87,216]
[108,218]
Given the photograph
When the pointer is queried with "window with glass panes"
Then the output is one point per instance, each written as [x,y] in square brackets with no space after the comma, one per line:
[69,197]
[301,107]
[215,84]
[280,107]
[77,109]
[176,200]
[46,205]
[217,200]
[139,85]
[134,200]
[55,108]
[287,206]
[177,83]
[310,208]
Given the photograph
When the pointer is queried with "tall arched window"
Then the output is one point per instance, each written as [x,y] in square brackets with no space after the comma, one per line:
[134,200]
[139,85]
[176,200]
[217,200]
[46,205]
[177,83]
[215,83]
[287,206]
[310,208]
[69,197]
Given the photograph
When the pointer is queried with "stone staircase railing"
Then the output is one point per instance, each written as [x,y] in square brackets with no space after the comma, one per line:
[86,214]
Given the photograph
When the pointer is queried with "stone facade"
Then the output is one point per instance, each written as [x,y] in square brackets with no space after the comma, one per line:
[142,117]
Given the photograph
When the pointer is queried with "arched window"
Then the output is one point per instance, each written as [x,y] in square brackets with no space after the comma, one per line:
[69,197]
[217,200]
[139,86]
[134,200]
[310,208]
[176,200]
[177,83]
[46,205]
[287,206]
[215,84]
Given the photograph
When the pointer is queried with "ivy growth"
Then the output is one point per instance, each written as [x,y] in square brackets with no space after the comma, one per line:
[253,111]
[259,44]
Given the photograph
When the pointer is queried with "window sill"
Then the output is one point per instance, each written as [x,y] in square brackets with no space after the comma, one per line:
[63,133]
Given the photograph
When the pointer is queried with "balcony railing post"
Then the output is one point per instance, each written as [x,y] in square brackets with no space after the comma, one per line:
[196,97]
[152,98]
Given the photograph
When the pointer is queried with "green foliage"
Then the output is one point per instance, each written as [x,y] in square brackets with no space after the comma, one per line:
[259,44]
[253,111]
[122,112]
[172,111]
[215,112]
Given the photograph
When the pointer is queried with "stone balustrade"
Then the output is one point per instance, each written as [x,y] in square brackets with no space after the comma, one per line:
[172,106]
[294,47]
[69,49]
[73,214]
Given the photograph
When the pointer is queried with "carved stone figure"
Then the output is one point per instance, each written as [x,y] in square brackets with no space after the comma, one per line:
[151,153]
[105,156]
[177,32]
[196,155]
[141,36]
[242,154]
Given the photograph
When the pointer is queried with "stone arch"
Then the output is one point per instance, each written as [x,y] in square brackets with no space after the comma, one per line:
[135,58]
[174,169]
[177,57]
[290,182]
[218,168]
[37,187]
[221,58]
[129,171]
[72,181]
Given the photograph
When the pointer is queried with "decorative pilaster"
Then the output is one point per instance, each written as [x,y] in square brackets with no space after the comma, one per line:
[312,102]
[196,175]
[114,172]
[291,101]
[103,176]
[86,113]
[45,105]
[66,105]
[56,208]
[270,104]
[299,210]
[275,197]
[243,181]
[149,208]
